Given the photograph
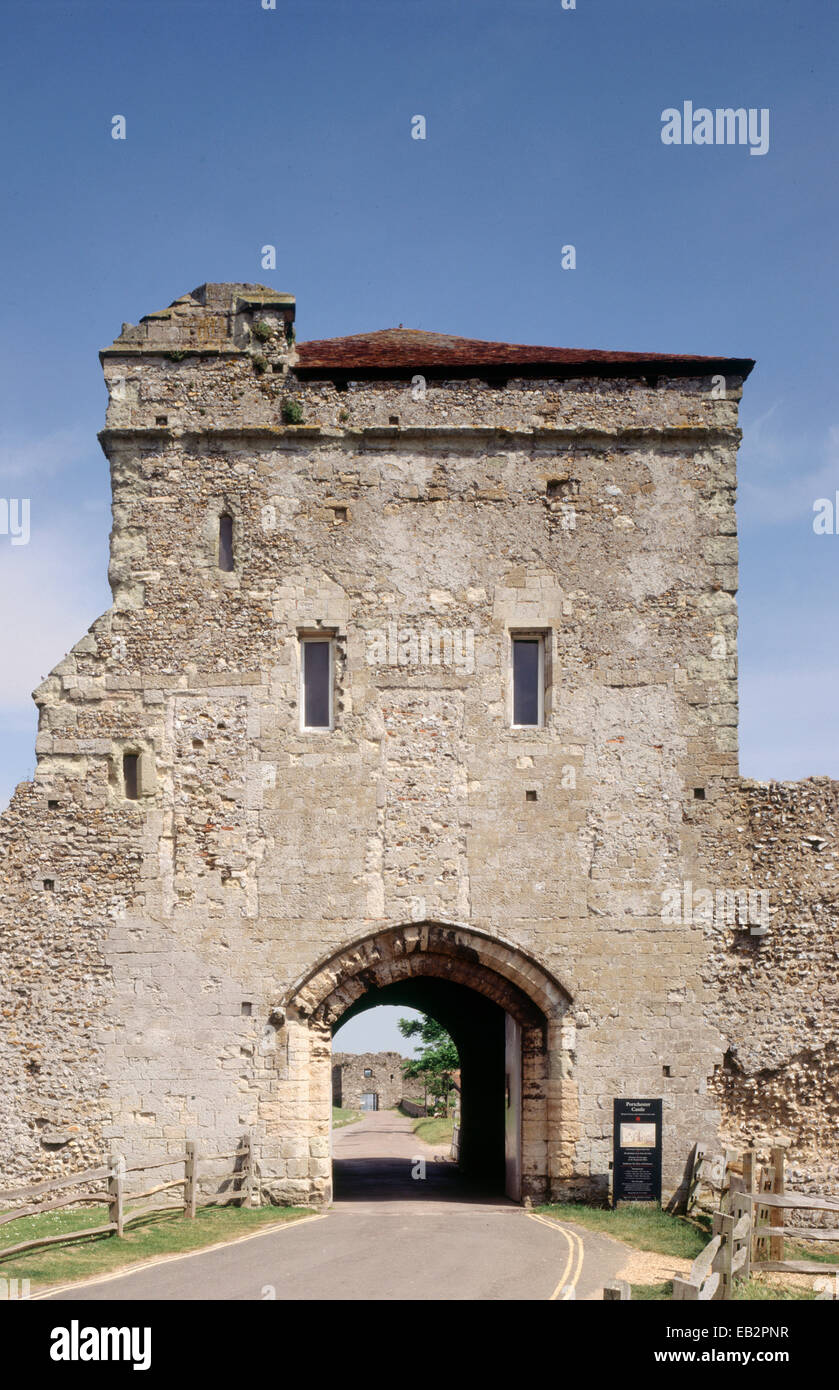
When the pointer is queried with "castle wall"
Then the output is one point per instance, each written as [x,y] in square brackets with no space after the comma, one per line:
[776,996]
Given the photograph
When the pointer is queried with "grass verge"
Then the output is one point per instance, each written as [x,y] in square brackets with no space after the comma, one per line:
[344,1117]
[795,1251]
[159,1234]
[645,1227]
[751,1291]
[640,1224]
[434,1129]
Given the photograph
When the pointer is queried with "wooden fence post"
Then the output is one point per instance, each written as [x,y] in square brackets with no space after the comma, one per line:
[760,1247]
[776,1214]
[722,1225]
[255,1197]
[695,1175]
[115,1190]
[248,1169]
[744,1206]
[618,1290]
[728,1180]
[685,1291]
[190,1174]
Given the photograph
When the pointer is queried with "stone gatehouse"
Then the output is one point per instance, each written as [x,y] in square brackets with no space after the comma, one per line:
[418,686]
[370,1080]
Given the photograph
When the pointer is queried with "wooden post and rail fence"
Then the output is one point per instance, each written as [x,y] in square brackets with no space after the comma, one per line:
[713,1272]
[748,1229]
[121,1203]
[760,1190]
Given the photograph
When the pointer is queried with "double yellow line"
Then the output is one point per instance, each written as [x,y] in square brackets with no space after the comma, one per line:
[566,1284]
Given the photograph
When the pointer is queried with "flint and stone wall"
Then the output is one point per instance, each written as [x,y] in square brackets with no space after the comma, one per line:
[150,947]
[777,995]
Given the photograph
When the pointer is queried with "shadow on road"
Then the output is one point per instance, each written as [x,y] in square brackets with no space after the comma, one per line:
[380,1159]
[391,1180]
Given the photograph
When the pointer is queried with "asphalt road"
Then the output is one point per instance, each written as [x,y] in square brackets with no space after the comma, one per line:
[389,1236]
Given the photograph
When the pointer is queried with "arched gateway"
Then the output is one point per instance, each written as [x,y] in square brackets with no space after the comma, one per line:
[508,1034]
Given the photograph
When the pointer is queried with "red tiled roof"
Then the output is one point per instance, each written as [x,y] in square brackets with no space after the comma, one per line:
[411,349]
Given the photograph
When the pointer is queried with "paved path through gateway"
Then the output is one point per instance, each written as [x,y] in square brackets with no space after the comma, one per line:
[387,1237]
[373,1161]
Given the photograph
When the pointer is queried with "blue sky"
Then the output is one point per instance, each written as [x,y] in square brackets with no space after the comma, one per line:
[376,1031]
[293,127]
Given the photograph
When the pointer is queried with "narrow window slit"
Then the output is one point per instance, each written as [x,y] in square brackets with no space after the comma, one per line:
[225,542]
[317,683]
[528,675]
[131,775]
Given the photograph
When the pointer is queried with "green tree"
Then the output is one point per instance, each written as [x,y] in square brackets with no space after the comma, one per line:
[437,1059]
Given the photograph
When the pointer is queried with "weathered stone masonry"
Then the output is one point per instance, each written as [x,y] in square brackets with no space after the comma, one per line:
[173,965]
[777,997]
